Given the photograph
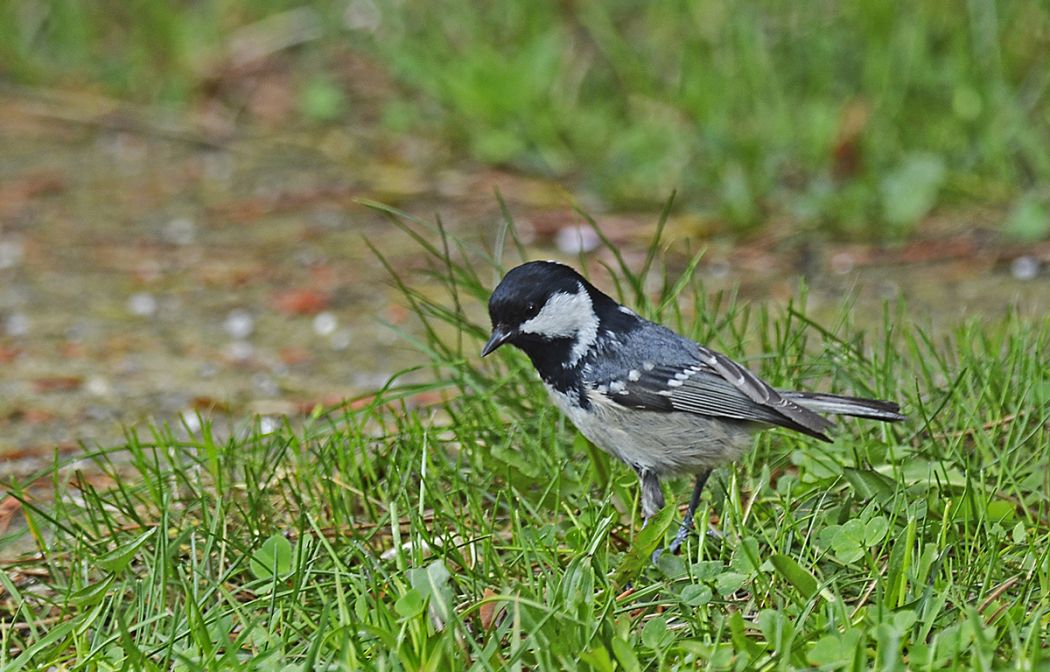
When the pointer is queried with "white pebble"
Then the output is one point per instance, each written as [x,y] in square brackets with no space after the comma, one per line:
[576,239]
[268,425]
[325,324]
[97,386]
[180,231]
[142,304]
[10,253]
[191,420]
[1025,268]
[17,324]
[239,324]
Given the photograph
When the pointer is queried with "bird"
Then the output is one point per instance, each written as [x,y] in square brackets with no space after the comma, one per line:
[659,402]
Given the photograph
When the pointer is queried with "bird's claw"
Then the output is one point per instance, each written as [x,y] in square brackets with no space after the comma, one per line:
[679,539]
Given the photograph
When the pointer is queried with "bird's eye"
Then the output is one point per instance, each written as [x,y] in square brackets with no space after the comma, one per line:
[532,308]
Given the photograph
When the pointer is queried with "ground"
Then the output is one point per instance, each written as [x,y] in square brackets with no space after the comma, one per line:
[150,278]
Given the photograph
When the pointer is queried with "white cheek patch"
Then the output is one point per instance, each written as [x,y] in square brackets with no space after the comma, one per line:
[567,316]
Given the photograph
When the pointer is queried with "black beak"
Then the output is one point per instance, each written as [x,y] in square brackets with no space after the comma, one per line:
[500,335]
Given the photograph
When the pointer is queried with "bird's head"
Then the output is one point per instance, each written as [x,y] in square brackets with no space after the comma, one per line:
[543,304]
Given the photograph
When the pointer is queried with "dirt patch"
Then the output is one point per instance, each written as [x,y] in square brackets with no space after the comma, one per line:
[146,277]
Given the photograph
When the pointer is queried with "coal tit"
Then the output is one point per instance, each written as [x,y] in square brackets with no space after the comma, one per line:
[659,402]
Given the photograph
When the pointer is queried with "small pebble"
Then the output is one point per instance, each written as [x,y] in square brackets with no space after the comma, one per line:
[239,351]
[97,386]
[239,324]
[1024,268]
[362,15]
[265,385]
[218,167]
[10,253]
[718,269]
[180,231]
[99,413]
[576,239]
[841,263]
[126,149]
[526,230]
[341,339]
[306,258]
[142,304]
[17,324]
[888,290]
[325,324]
[191,420]
[268,425]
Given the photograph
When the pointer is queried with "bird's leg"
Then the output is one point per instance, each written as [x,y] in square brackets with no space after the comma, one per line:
[652,500]
[694,501]
[652,495]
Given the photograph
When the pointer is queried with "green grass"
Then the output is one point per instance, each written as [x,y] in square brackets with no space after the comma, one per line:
[855,117]
[858,119]
[480,532]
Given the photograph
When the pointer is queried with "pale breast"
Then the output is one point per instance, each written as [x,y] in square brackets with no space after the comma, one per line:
[666,443]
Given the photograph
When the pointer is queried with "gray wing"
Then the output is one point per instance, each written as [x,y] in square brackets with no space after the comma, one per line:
[676,374]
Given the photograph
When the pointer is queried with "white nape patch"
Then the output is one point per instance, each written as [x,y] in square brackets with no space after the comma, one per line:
[674,382]
[634,374]
[567,316]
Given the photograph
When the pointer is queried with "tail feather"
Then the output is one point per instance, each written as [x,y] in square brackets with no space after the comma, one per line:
[835,404]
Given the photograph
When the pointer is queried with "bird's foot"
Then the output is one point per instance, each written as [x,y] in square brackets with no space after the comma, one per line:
[680,537]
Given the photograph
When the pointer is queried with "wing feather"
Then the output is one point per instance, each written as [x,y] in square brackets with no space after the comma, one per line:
[714,386]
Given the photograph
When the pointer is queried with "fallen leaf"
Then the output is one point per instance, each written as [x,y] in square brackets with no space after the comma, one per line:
[205,403]
[18,192]
[8,507]
[397,314]
[292,355]
[72,350]
[847,151]
[300,302]
[488,612]
[58,384]
[36,416]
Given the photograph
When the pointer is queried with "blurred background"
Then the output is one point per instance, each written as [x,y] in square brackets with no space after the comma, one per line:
[181,227]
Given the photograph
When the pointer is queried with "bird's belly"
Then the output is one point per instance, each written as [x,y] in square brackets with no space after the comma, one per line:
[665,443]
